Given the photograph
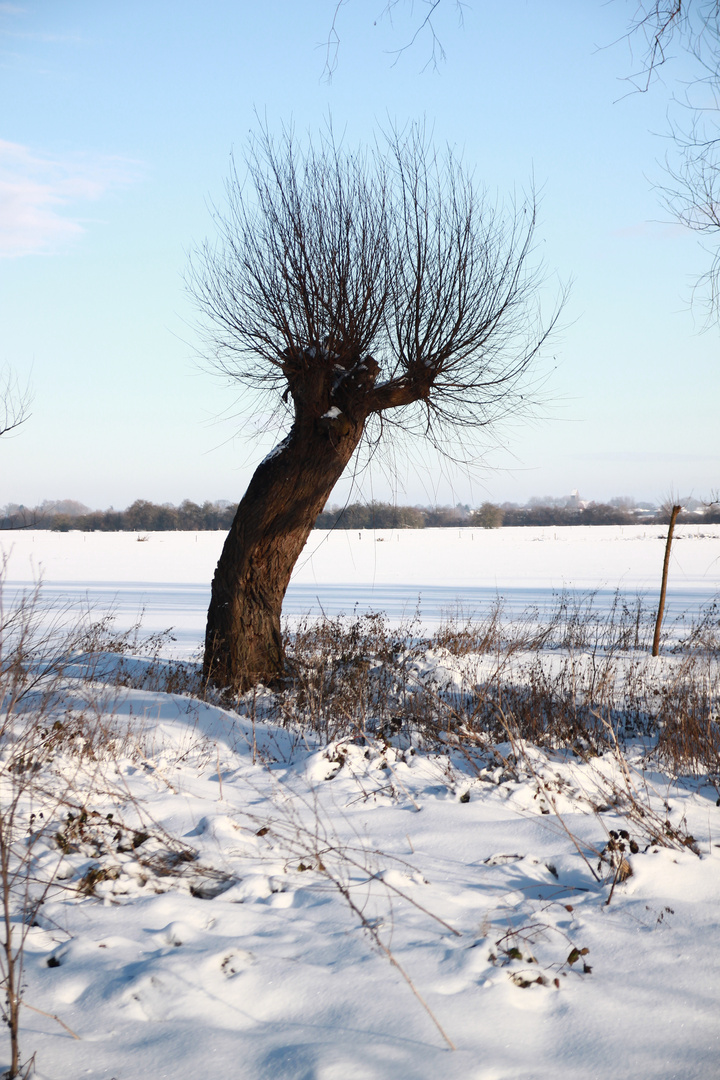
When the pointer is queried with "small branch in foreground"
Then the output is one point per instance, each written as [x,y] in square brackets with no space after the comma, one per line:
[374,934]
[52,1016]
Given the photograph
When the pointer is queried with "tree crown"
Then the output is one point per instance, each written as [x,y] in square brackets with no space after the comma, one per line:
[364,281]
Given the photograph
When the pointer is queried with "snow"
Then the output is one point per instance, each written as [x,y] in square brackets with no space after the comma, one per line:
[626,557]
[321,873]
[276,450]
[167,575]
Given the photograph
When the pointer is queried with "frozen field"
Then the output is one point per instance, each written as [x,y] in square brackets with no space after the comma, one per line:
[216,893]
[167,575]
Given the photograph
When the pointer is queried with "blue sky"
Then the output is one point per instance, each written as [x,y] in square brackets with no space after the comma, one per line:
[116,127]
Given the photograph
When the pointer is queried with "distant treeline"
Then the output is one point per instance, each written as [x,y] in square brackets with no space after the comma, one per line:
[142,516]
[145,516]
[378,515]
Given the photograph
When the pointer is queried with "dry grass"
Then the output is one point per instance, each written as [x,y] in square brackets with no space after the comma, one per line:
[62,675]
[580,679]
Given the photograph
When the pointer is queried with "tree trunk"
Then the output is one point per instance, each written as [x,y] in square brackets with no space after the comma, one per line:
[243,644]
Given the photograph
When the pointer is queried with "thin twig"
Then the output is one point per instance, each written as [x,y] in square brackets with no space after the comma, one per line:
[52,1016]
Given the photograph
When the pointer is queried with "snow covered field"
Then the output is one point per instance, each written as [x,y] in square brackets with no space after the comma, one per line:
[231,898]
[168,575]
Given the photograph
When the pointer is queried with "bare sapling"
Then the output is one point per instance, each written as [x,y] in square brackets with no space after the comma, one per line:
[31,670]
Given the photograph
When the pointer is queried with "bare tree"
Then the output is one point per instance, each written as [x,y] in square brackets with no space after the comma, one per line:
[660,31]
[366,292]
[14,402]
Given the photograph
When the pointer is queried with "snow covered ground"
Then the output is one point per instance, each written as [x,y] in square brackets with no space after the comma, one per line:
[240,899]
[168,575]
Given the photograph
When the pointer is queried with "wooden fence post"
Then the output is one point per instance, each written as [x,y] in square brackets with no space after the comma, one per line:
[663,588]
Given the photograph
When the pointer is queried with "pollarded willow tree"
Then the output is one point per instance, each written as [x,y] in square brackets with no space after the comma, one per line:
[361,291]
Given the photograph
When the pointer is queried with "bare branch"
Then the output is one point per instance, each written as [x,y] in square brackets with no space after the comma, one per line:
[656,24]
[332,45]
[422,28]
[14,402]
[328,256]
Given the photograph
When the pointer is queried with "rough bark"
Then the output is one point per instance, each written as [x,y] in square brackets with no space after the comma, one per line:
[243,644]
